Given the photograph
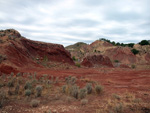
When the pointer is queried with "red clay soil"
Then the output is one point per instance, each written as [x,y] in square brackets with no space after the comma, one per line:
[124,66]
[117,79]
[96,60]
[114,80]
[7,69]
[21,52]
[147,57]
[122,54]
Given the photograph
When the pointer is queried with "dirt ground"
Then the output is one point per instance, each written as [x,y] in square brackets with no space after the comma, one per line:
[118,81]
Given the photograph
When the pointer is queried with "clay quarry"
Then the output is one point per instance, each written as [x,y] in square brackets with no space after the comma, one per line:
[101,77]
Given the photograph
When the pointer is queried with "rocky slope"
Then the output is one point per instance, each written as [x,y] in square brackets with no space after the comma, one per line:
[144,53]
[96,61]
[78,49]
[18,52]
[117,54]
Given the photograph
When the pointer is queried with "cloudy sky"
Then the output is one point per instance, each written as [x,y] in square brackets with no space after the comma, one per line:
[69,21]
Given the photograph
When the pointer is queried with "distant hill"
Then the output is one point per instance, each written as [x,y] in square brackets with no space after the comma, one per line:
[76,46]
[120,53]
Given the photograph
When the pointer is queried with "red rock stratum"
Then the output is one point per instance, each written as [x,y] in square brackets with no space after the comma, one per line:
[96,60]
[19,52]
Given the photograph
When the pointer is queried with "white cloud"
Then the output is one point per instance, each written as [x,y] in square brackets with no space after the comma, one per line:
[69,21]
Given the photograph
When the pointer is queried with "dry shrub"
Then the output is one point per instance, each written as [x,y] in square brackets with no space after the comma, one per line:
[99,89]
[84,102]
[35,103]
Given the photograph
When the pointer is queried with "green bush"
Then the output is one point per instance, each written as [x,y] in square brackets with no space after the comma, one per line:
[89,88]
[11,74]
[70,80]
[78,64]
[144,42]
[11,82]
[116,61]
[28,85]
[73,80]
[74,58]
[130,45]
[134,51]
[17,89]
[27,92]
[82,93]
[18,74]
[64,88]
[74,91]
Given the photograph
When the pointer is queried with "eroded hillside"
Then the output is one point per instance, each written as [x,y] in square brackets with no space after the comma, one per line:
[19,52]
[119,55]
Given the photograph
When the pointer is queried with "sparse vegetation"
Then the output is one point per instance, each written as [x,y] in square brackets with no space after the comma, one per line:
[125,103]
[35,103]
[144,42]
[116,61]
[72,93]
[1,41]
[134,51]
[11,82]
[68,99]
[89,88]
[117,43]
[84,102]
[133,66]
[74,58]
[38,90]
[28,85]
[116,96]
[64,88]
[17,89]
[99,89]
[78,64]
[57,80]
[2,58]
[119,108]
[27,92]
[70,80]
[82,93]
[73,80]
[2,98]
